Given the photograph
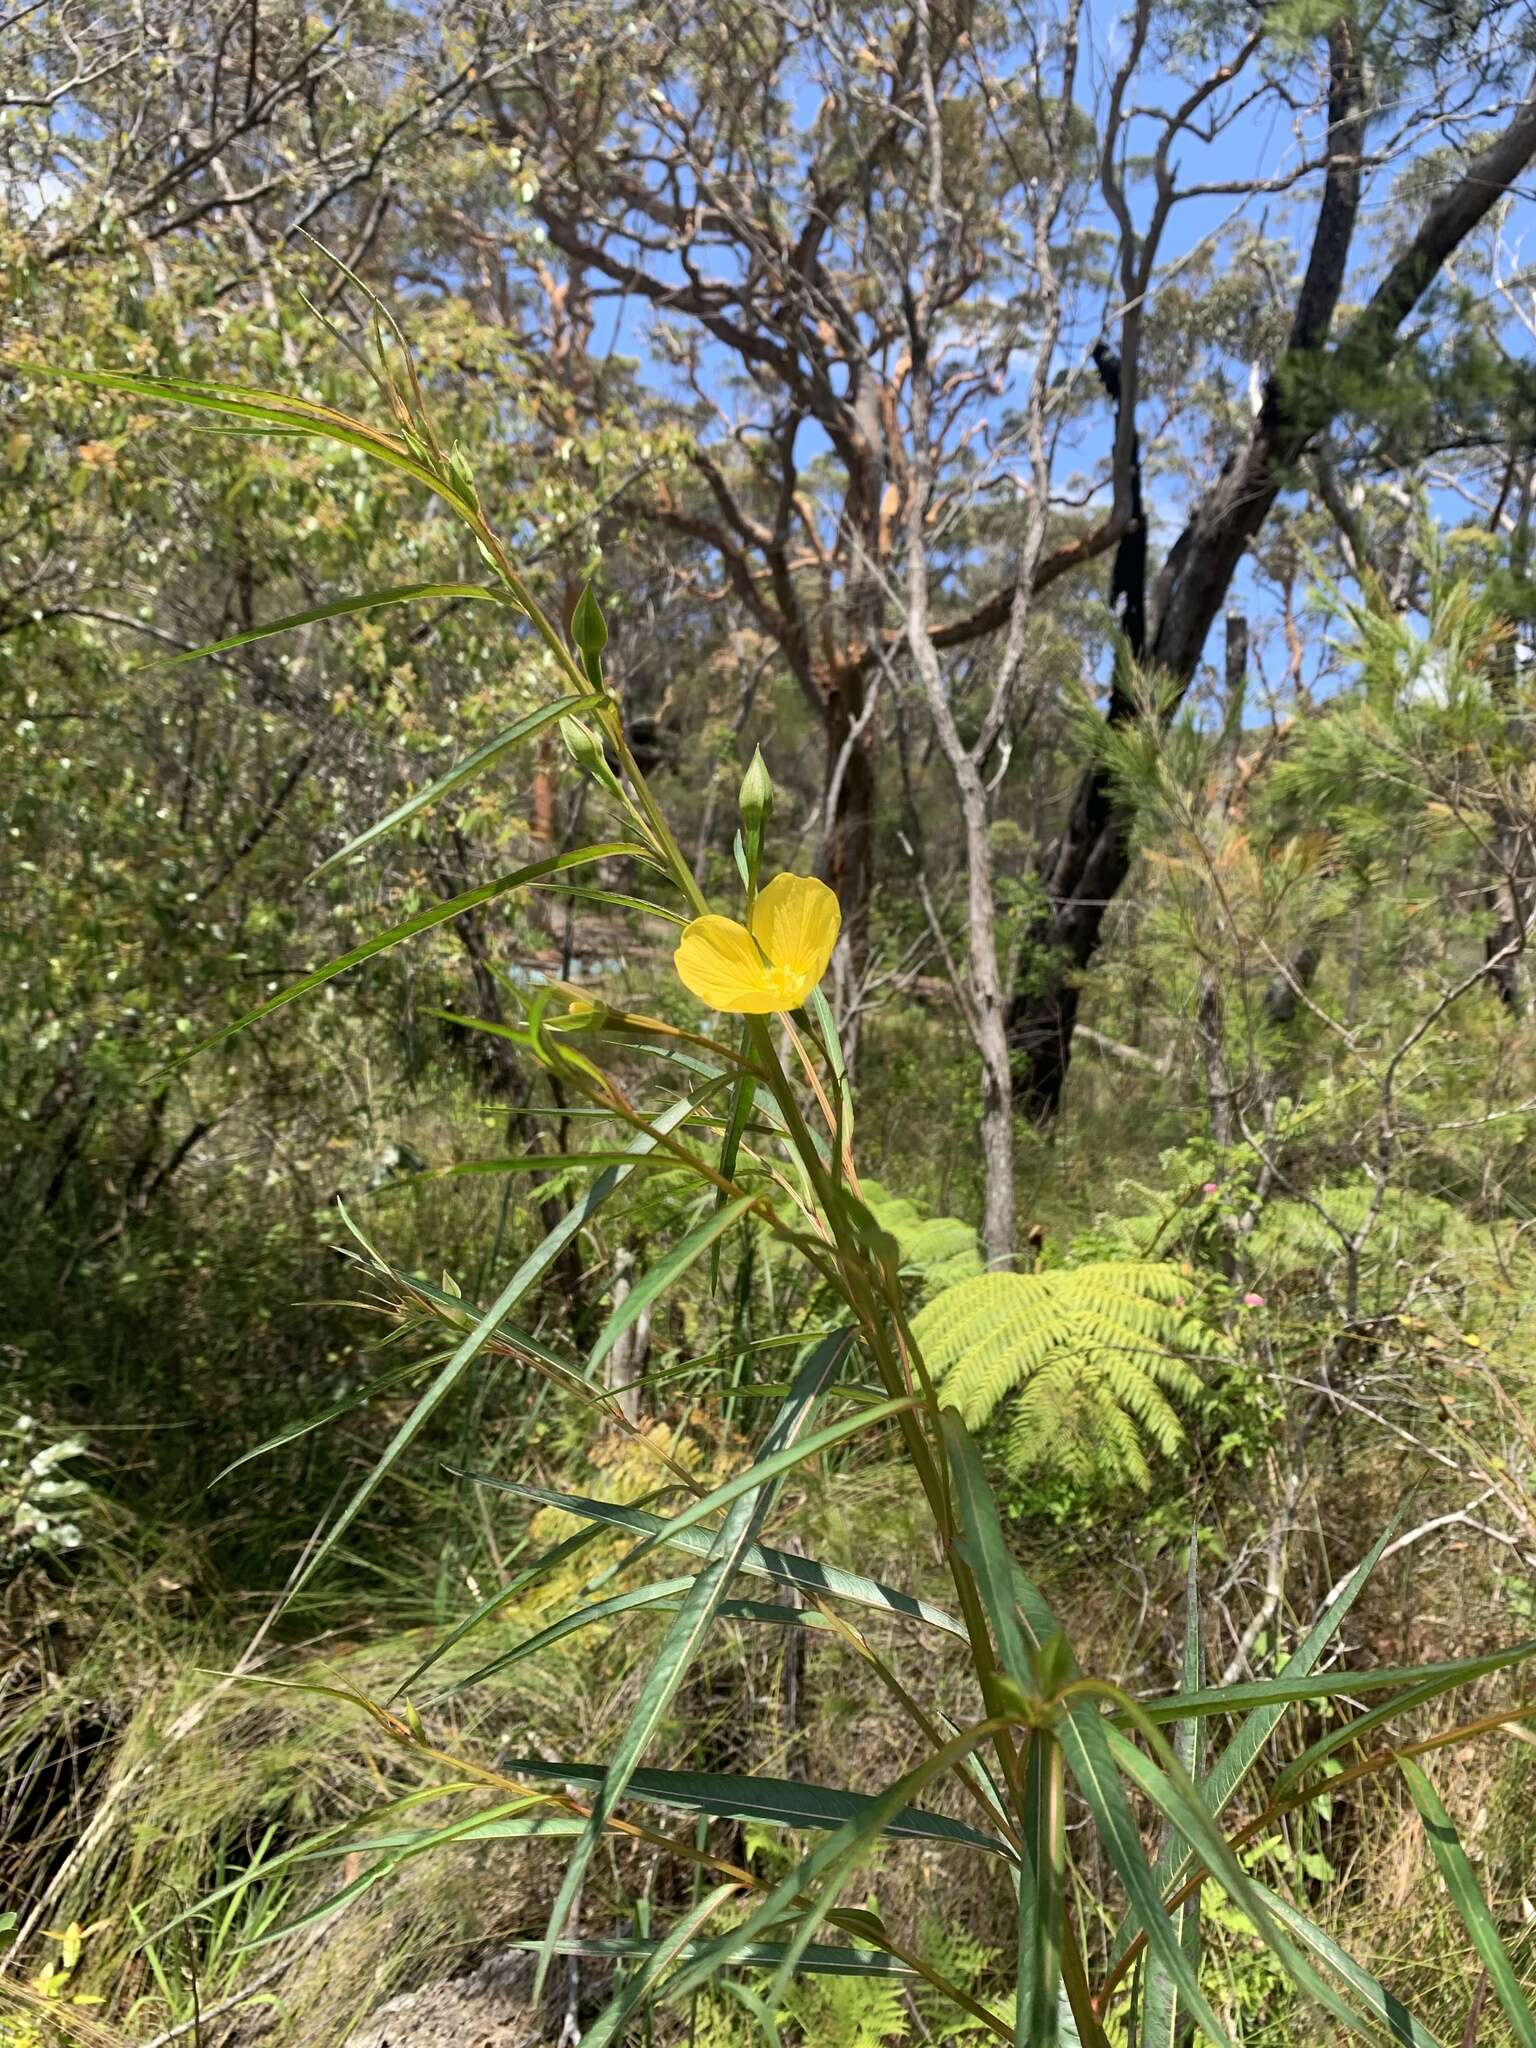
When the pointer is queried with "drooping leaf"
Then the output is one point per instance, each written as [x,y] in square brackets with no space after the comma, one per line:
[337,608]
[692,1622]
[1467,1897]
[421,921]
[806,1574]
[1392,2015]
[658,1278]
[463,771]
[781,1802]
[527,1274]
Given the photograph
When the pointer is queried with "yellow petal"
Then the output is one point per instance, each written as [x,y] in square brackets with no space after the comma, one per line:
[718,962]
[796,921]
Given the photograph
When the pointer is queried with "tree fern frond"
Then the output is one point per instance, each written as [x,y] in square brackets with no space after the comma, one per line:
[1092,1358]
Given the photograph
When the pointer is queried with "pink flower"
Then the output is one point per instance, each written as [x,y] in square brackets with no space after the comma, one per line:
[1253,1301]
[1212,1187]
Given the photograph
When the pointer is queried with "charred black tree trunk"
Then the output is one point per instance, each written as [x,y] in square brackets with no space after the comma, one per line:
[1090,861]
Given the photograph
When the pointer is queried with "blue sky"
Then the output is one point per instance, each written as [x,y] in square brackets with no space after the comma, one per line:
[1265,142]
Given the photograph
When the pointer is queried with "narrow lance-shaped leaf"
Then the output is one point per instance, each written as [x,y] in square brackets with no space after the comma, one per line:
[422,921]
[788,1568]
[472,1829]
[1287,1691]
[820,1874]
[462,772]
[658,1278]
[662,1953]
[821,1959]
[1086,1738]
[1038,1990]
[1221,1784]
[1388,2011]
[662,1592]
[1160,1998]
[275,409]
[767,1468]
[1179,1801]
[546,1562]
[692,1623]
[664,1597]
[382,1385]
[781,1802]
[338,608]
[740,1115]
[531,1270]
[1467,1897]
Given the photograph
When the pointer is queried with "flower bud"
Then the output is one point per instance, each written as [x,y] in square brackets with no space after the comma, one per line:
[583,746]
[589,629]
[756,799]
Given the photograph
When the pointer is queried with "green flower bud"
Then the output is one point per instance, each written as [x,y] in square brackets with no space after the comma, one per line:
[583,746]
[589,629]
[756,799]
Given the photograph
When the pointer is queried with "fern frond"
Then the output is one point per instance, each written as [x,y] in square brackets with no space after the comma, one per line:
[1092,1357]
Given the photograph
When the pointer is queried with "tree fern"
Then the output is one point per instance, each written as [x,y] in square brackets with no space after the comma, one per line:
[937,1251]
[1090,1358]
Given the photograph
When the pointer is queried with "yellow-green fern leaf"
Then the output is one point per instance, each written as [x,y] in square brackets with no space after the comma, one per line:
[1092,1359]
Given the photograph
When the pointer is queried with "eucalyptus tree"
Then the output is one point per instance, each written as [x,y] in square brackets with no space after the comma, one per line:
[878,252]
[1400,92]
[744,180]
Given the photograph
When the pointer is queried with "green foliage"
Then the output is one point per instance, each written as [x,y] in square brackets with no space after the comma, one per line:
[1404,1236]
[1090,1360]
[936,1251]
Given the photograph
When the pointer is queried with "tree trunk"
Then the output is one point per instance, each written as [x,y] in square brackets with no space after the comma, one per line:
[1211,1028]
[626,1361]
[849,852]
[1089,863]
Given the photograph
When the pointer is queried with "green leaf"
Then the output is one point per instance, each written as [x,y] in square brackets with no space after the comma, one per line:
[781,1802]
[1042,1885]
[820,1874]
[482,757]
[820,1958]
[660,1277]
[987,1553]
[1160,2018]
[1221,1784]
[549,1559]
[340,607]
[272,408]
[616,901]
[1179,1801]
[660,1954]
[331,1842]
[693,1620]
[742,1097]
[469,1830]
[806,1574]
[528,1273]
[382,1385]
[422,921]
[1467,1897]
[1389,2011]
[768,1468]
[1287,1691]
[529,1828]
[1084,1738]
[664,1590]
[553,1162]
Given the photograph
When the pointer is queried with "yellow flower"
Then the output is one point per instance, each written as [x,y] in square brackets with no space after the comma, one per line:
[773,966]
